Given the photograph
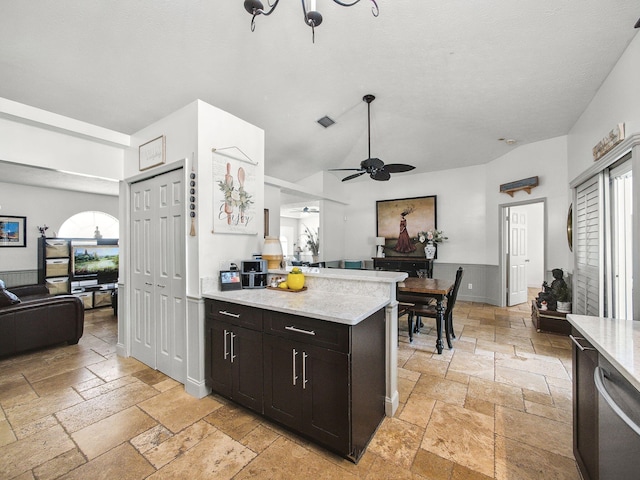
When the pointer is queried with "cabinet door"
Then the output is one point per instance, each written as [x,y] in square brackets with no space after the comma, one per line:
[585,408]
[282,378]
[326,396]
[217,355]
[246,366]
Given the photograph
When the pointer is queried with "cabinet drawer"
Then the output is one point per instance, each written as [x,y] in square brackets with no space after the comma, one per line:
[58,285]
[307,330]
[56,248]
[57,267]
[234,313]
[87,299]
[101,298]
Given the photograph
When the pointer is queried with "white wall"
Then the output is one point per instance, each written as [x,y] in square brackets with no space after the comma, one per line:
[36,145]
[460,211]
[617,100]
[43,206]
[547,160]
[219,129]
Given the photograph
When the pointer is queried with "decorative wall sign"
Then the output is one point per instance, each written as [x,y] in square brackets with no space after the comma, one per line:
[399,221]
[605,145]
[151,154]
[525,184]
[234,190]
[13,231]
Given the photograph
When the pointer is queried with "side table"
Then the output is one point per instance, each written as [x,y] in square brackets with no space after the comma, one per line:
[549,320]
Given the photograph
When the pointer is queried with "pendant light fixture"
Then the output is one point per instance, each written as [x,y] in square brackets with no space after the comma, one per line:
[312,16]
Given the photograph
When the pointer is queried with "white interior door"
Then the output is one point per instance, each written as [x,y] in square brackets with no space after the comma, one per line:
[170,276]
[158,310]
[517,256]
[143,332]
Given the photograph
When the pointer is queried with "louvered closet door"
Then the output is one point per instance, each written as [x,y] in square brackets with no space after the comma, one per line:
[158,313]
[588,297]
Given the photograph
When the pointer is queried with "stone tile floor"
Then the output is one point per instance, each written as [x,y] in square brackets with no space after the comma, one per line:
[498,405]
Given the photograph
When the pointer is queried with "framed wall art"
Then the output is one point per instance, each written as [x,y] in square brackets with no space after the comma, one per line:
[399,222]
[234,190]
[152,153]
[13,231]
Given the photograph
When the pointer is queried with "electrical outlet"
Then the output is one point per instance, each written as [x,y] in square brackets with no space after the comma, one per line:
[470,287]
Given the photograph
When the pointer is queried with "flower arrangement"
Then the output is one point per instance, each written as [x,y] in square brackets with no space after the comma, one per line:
[312,242]
[431,236]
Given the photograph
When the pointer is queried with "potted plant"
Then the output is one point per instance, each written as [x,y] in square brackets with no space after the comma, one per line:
[313,242]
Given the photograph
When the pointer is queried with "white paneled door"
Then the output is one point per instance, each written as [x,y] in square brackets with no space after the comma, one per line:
[158,309]
[517,256]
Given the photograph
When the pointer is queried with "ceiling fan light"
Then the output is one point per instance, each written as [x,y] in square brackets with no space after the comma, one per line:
[313,18]
[252,6]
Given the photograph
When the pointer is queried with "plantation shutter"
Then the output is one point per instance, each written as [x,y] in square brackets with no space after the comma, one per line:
[588,288]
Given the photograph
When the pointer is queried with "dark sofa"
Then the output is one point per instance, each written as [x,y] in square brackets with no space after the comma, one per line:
[32,318]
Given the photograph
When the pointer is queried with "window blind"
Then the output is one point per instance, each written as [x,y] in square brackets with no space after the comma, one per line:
[588,290]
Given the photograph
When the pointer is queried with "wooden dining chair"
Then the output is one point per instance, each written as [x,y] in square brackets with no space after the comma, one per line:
[429,310]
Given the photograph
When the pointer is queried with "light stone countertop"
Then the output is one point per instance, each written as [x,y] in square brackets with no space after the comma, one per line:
[617,340]
[336,295]
[342,308]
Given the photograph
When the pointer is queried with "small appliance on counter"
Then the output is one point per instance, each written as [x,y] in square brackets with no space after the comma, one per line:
[254,273]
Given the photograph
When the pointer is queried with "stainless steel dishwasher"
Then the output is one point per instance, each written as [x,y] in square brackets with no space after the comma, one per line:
[619,424]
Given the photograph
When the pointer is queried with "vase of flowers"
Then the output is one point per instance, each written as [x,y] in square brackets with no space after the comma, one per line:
[431,238]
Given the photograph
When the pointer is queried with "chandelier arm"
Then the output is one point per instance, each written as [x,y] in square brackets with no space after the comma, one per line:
[346,4]
[271,9]
[375,10]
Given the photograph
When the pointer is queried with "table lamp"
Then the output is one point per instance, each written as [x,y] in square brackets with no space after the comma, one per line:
[380,244]
[272,252]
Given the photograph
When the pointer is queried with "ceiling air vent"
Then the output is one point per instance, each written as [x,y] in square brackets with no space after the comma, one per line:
[326,122]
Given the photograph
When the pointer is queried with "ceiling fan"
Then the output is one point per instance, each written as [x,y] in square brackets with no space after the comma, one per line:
[308,210]
[375,167]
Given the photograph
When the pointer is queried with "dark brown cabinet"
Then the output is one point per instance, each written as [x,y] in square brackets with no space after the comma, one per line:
[585,407]
[233,364]
[322,379]
[307,388]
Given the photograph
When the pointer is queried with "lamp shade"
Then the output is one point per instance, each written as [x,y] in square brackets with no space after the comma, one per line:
[272,252]
[379,240]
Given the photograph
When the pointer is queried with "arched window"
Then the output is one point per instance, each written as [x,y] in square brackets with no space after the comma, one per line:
[88,224]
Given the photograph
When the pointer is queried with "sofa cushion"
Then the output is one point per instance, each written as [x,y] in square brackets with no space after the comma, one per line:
[6,297]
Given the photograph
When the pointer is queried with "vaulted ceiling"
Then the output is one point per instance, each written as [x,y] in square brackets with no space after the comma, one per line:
[450,77]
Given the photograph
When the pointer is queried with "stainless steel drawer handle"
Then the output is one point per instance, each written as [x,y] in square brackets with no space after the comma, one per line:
[229,314]
[598,377]
[299,330]
[304,370]
[293,362]
[581,347]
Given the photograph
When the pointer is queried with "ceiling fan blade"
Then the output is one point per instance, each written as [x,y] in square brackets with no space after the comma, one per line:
[355,175]
[398,167]
[381,175]
[344,169]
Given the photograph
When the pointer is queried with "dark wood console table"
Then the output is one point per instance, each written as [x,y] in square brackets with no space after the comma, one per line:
[411,265]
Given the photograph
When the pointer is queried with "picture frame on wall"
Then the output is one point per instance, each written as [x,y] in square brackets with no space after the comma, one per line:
[235,190]
[152,153]
[399,222]
[13,231]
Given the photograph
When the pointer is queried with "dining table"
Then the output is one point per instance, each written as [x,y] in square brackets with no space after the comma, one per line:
[420,290]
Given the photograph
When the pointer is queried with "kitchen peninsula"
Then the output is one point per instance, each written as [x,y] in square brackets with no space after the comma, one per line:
[328,354]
